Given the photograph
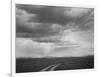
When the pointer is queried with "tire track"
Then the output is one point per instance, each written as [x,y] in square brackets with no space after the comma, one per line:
[50,67]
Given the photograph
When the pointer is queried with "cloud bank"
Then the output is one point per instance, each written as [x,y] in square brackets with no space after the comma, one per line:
[26,48]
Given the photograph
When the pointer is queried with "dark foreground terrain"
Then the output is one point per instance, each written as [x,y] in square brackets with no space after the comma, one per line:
[65,63]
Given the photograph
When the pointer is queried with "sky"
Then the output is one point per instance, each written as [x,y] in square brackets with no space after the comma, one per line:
[53,31]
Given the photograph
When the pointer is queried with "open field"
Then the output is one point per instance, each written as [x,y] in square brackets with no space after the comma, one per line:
[64,63]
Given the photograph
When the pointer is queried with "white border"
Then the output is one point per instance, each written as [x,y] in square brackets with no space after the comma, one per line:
[13,39]
[50,3]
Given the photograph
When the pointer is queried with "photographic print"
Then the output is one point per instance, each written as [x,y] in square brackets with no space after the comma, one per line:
[53,38]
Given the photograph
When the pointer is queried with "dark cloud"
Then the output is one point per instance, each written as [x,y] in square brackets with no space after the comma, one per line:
[47,14]
[33,29]
[44,21]
[40,30]
[54,14]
